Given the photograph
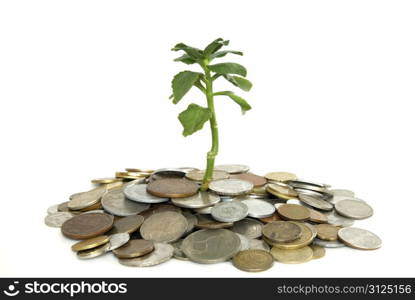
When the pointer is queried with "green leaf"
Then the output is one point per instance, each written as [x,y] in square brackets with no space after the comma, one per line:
[185,59]
[215,46]
[240,82]
[193,118]
[223,53]
[239,100]
[191,51]
[182,83]
[228,68]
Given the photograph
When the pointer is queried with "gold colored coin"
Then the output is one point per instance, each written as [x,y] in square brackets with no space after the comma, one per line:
[253,260]
[295,256]
[270,219]
[131,175]
[280,176]
[283,192]
[90,243]
[135,170]
[293,212]
[105,180]
[307,236]
[327,232]
[95,206]
[94,252]
[318,251]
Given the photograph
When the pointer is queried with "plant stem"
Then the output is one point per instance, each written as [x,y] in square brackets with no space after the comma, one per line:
[211,155]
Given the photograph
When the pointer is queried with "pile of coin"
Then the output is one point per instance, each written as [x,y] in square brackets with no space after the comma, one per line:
[146,217]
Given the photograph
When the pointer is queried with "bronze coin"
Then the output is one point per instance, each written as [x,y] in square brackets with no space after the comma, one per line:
[327,232]
[157,208]
[317,217]
[282,231]
[270,219]
[172,188]
[87,226]
[207,222]
[293,212]
[127,224]
[134,248]
[256,180]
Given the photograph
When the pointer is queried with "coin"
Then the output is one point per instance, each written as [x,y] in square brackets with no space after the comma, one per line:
[354,209]
[134,248]
[117,240]
[127,224]
[94,252]
[341,192]
[198,175]
[231,211]
[81,200]
[338,220]
[294,212]
[53,209]
[158,208]
[209,246]
[359,238]
[253,260]
[244,242]
[321,195]
[231,187]
[162,253]
[90,243]
[105,180]
[172,188]
[315,202]
[136,170]
[272,218]
[280,176]
[86,226]
[138,192]
[318,251]
[258,244]
[199,200]
[57,219]
[164,227]
[96,206]
[191,221]
[317,217]
[204,210]
[259,208]
[207,222]
[248,227]
[294,256]
[328,244]
[307,185]
[177,252]
[232,169]
[282,231]
[256,180]
[327,232]
[308,234]
[116,203]
[281,191]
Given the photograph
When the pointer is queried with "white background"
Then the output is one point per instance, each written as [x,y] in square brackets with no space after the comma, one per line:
[84,89]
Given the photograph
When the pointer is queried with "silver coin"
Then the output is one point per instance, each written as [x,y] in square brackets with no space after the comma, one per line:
[94,252]
[359,238]
[354,209]
[244,242]
[341,192]
[57,219]
[230,211]
[336,199]
[199,200]
[308,185]
[316,202]
[338,220]
[164,227]
[259,208]
[208,246]
[226,198]
[95,211]
[161,253]
[292,201]
[258,245]
[116,203]
[178,252]
[248,227]
[117,240]
[191,221]
[328,244]
[231,187]
[321,195]
[82,200]
[232,169]
[204,210]
[52,209]
[138,192]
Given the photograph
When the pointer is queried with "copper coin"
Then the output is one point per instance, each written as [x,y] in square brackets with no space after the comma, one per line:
[134,248]
[127,224]
[327,232]
[317,217]
[207,222]
[172,188]
[157,208]
[256,180]
[282,231]
[293,212]
[87,226]
[270,219]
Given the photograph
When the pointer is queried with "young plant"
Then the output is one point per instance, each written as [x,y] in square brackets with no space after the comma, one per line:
[194,117]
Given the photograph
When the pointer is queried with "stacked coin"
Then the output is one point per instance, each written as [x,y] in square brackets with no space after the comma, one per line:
[146,217]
